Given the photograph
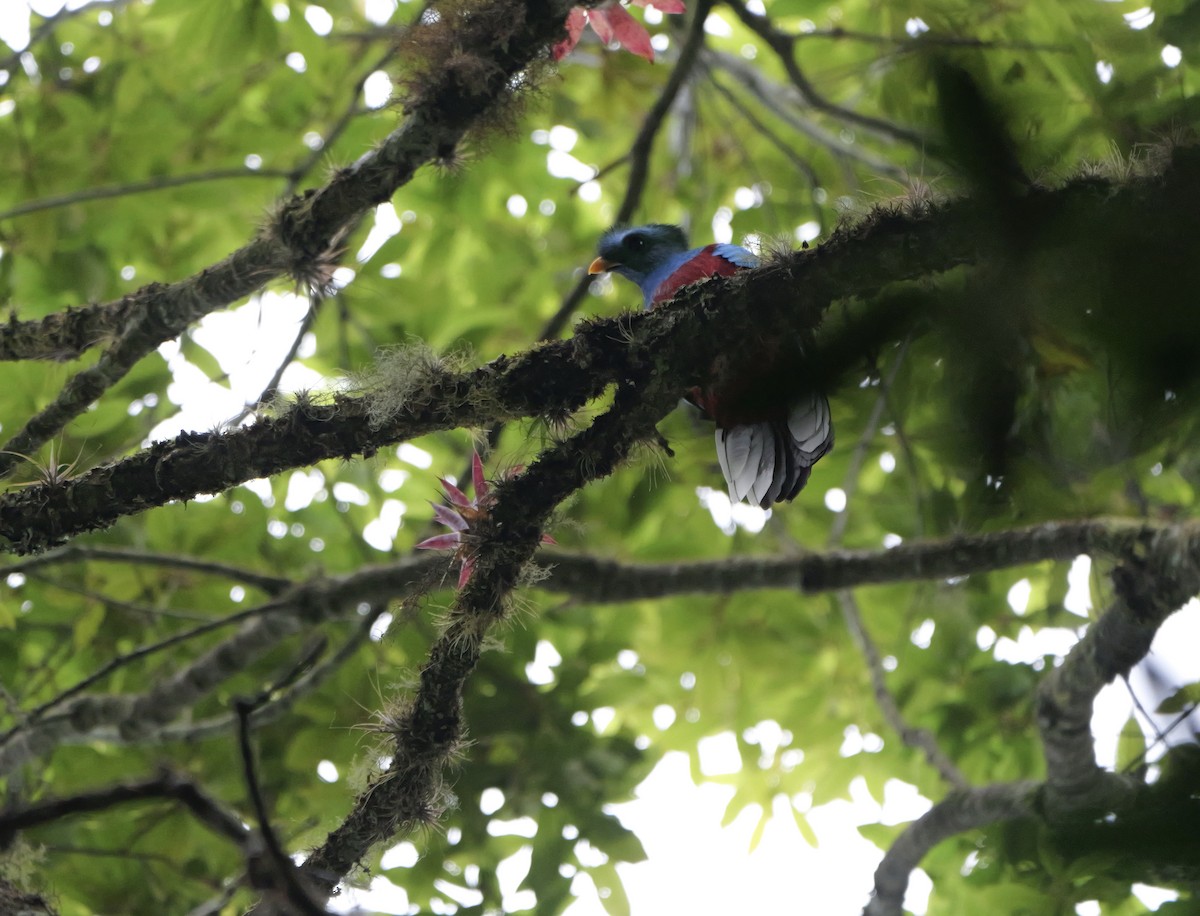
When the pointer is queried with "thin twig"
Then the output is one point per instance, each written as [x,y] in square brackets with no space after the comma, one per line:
[271,585]
[775,98]
[857,457]
[920,738]
[927,39]
[784,47]
[127,658]
[305,678]
[638,156]
[129,607]
[51,22]
[802,165]
[166,785]
[284,876]
[137,187]
[271,389]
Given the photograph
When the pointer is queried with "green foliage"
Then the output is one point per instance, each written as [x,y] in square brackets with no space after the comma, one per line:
[489,243]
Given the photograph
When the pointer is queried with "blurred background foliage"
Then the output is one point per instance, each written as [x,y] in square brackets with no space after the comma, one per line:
[247,100]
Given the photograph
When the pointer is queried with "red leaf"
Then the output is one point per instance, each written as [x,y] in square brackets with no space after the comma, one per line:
[481,487]
[629,32]
[465,573]
[454,494]
[576,20]
[598,19]
[440,542]
[449,517]
[664,6]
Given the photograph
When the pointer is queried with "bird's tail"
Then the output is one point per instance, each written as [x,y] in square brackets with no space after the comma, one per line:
[769,462]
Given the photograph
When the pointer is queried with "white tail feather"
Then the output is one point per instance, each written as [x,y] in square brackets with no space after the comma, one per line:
[809,425]
[766,462]
[760,487]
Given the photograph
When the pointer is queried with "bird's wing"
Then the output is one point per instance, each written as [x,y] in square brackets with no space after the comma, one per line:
[736,254]
[699,264]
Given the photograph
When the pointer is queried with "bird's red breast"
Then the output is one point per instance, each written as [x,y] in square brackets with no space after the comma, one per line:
[705,263]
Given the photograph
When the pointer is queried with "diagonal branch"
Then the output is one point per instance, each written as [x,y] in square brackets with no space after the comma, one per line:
[1155,580]
[144,718]
[159,183]
[780,99]
[920,738]
[428,734]
[957,813]
[1148,591]
[307,231]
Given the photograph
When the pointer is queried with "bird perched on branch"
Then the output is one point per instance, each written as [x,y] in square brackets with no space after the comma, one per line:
[768,435]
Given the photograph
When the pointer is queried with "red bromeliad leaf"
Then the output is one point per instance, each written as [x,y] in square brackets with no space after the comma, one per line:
[462,514]
[481,486]
[449,517]
[455,495]
[441,542]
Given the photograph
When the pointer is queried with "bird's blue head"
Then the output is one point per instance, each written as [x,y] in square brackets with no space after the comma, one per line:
[635,252]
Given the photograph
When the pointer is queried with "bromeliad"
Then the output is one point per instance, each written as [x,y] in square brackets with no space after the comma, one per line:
[461,515]
[768,438]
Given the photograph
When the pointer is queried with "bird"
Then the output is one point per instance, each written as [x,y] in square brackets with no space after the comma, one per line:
[768,436]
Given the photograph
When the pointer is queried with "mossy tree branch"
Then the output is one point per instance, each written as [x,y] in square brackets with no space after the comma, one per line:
[726,318]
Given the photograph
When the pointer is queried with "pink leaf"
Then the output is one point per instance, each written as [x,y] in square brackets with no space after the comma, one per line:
[454,494]
[630,33]
[481,486]
[546,539]
[576,20]
[465,573]
[600,24]
[449,517]
[664,6]
[440,542]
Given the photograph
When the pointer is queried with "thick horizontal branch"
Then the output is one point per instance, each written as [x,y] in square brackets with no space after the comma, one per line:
[725,317]
[587,579]
[598,580]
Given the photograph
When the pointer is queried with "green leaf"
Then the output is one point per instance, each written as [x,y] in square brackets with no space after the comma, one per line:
[1185,697]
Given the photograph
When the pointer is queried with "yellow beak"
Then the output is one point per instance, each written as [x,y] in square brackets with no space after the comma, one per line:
[600,265]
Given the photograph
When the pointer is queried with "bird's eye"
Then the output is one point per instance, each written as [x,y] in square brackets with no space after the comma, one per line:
[635,243]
